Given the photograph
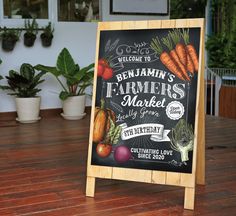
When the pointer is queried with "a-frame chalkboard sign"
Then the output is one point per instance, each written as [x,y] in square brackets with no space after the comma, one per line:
[147,121]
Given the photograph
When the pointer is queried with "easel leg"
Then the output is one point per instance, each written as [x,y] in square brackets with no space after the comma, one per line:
[200,168]
[189,198]
[90,186]
[200,171]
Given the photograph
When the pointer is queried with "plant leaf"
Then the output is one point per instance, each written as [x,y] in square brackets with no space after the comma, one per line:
[27,71]
[52,70]
[85,73]
[38,76]
[65,62]
[12,73]
[5,87]
[23,84]
[79,75]
[64,95]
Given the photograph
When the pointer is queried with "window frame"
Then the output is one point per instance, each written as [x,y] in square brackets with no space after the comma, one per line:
[61,21]
[52,15]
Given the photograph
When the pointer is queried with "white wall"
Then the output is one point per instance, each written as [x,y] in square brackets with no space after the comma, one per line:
[79,38]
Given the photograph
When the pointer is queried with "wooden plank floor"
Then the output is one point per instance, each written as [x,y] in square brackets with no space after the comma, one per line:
[43,169]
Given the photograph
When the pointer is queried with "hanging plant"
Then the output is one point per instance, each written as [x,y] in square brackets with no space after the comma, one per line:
[9,38]
[47,35]
[31,32]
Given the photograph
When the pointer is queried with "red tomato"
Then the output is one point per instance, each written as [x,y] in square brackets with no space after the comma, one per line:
[103,62]
[103,150]
[100,69]
[108,73]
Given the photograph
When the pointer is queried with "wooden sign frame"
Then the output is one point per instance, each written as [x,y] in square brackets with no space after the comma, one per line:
[188,181]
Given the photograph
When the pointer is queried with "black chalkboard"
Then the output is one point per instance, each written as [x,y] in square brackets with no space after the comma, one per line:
[146,99]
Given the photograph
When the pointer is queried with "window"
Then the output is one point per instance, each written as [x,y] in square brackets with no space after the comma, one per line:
[78,10]
[25,9]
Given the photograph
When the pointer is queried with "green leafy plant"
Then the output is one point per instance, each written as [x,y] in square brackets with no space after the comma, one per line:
[221,51]
[77,79]
[31,32]
[9,38]
[31,27]
[221,43]
[187,9]
[47,35]
[23,83]
[10,34]
[48,30]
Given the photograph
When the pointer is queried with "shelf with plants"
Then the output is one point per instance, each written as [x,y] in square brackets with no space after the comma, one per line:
[10,36]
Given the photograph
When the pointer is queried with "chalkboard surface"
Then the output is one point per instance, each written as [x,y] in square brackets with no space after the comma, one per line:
[146,99]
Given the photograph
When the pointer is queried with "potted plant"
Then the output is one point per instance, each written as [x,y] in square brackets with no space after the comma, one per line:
[76,80]
[9,38]
[23,85]
[31,32]
[47,35]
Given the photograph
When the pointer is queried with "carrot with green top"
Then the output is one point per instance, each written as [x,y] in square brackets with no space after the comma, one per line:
[190,50]
[168,43]
[165,58]
[190,66]
[179,47]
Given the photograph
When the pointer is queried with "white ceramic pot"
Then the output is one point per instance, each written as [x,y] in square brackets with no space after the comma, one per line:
[28,109]
[73,107]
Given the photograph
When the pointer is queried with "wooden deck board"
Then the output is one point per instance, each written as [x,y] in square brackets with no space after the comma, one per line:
[43,172]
